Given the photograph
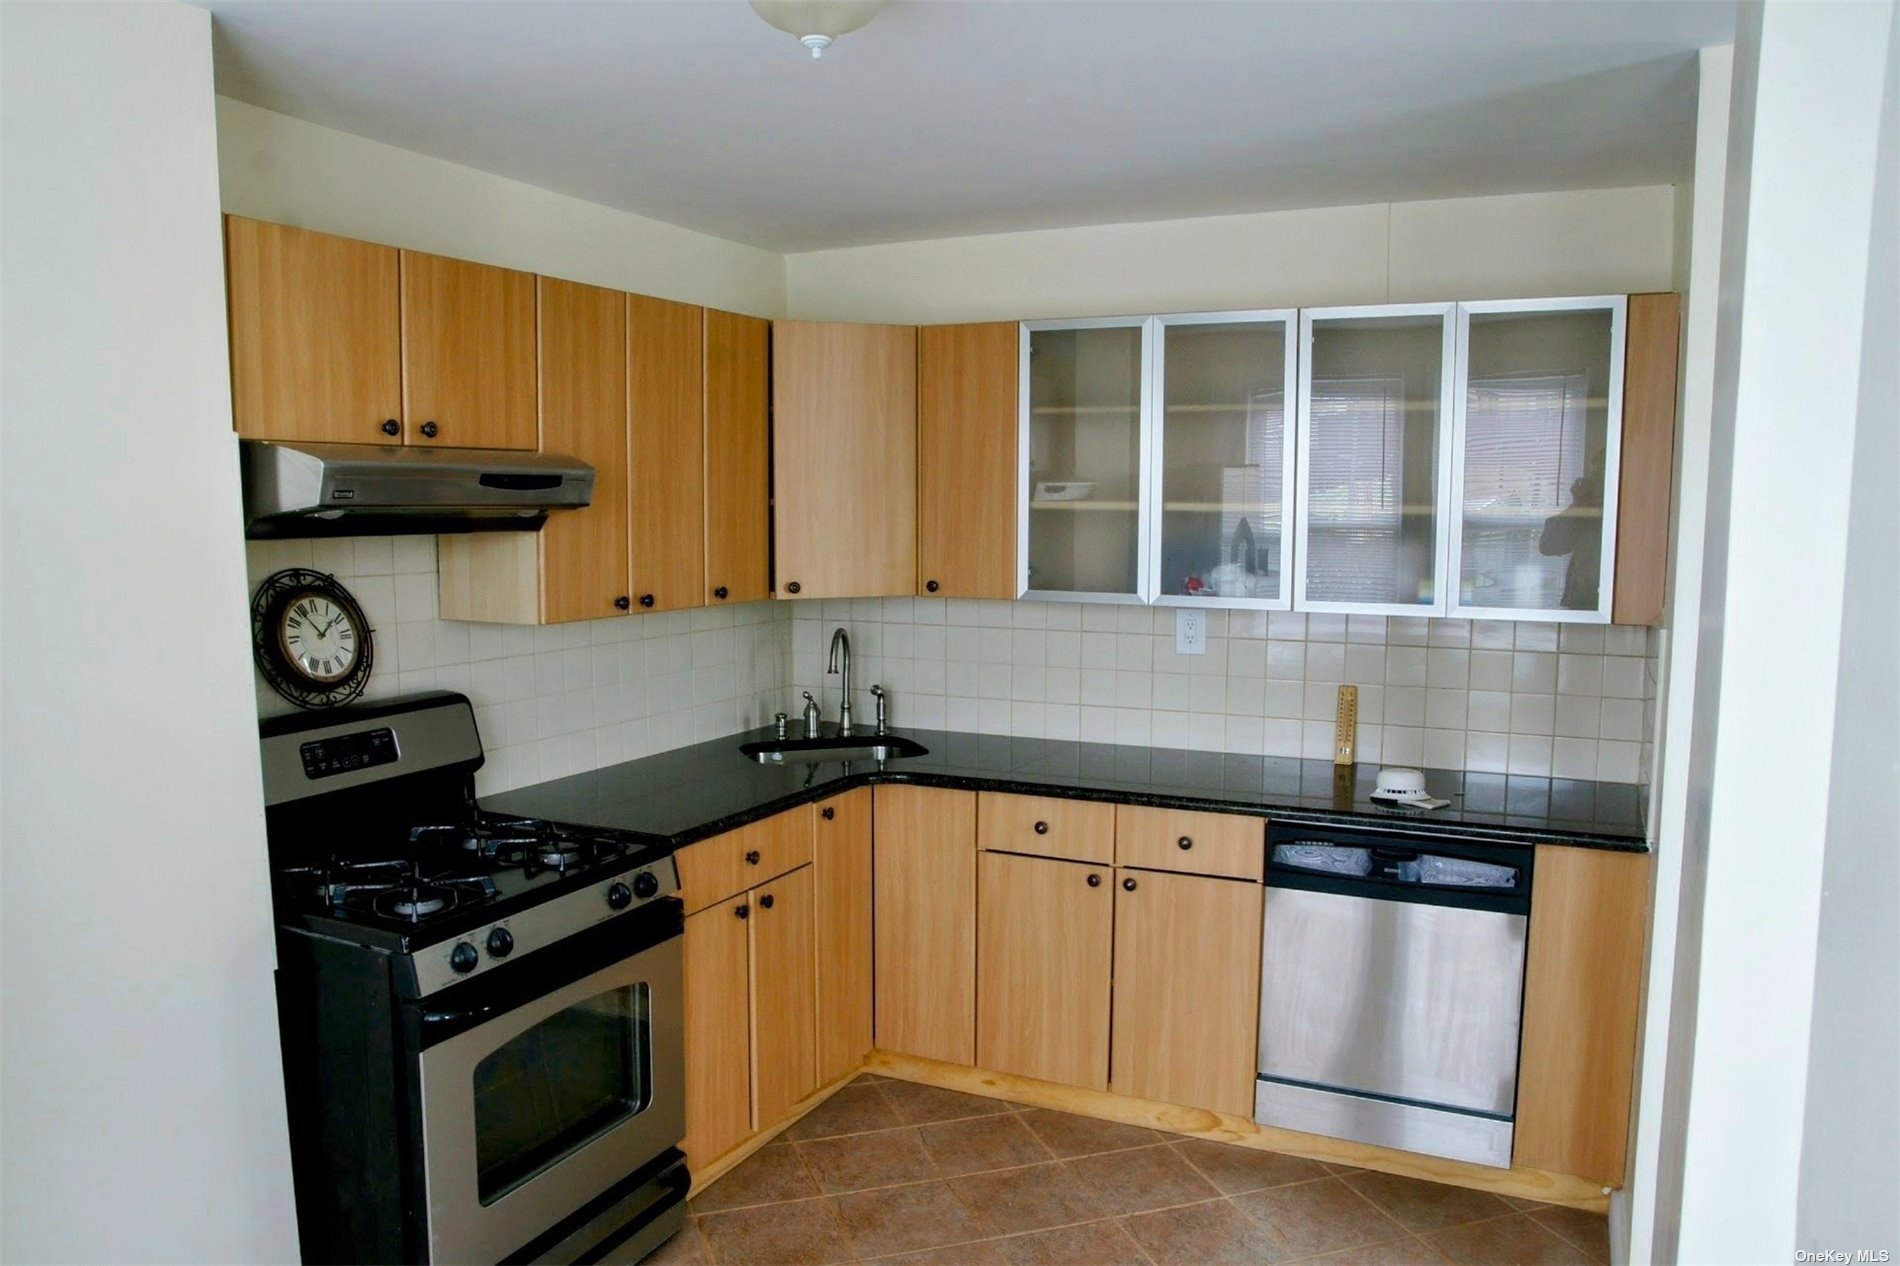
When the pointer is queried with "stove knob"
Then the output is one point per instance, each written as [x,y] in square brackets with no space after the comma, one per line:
[501,943]
[464,958]
[619,896]
[645,885]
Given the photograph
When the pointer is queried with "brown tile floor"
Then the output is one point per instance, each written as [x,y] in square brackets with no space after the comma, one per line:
[887,1171]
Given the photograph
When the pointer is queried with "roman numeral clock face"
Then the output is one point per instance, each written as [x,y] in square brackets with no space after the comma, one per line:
[311,641]
[320,638]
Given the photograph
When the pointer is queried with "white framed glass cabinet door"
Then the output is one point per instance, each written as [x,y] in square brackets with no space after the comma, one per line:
[1086,425]
[1536,454]
[1223,459]
[1374,461]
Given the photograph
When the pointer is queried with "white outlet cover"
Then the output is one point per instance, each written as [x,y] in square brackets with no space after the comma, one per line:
[1190,631]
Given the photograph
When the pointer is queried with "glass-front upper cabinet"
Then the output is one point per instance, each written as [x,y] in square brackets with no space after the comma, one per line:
[1085,439]
[1374,430]
[1223,459]
[1535,458]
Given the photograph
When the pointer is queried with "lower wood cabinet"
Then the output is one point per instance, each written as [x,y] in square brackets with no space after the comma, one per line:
[751,1007]
[718,1015]
[925,896]
[1583,984]
[1187,989]
[1045,929]
[841,879]
[784,996]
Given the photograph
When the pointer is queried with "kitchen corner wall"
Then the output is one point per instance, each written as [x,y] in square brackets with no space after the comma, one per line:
[1570,701]
[560,699]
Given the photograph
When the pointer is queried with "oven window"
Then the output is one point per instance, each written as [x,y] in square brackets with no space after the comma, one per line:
[560,1085]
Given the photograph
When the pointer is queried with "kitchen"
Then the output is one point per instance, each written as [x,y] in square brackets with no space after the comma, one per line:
[1095,674]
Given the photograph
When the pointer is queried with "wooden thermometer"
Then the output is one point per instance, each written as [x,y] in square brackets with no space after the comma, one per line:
[1347,726]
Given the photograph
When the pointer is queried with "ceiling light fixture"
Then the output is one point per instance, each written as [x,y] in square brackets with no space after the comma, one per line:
[817,22]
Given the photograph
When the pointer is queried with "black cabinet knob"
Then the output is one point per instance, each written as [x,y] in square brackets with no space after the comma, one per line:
[392,427]
[791,586]
[752,857]
[620,896]
[645,885]
[765,902]
[930,586]
[501,943]
[624,603]
[1095,881]
[1042,828]
[720,593]
[429,430]
[1128,885]
[742,910]
[646,599]
[1186,842]
[464,958]
[828,813]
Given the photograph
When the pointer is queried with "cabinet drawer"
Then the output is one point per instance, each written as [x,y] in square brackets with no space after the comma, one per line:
[1043,826]
[715,869]
[1223,844]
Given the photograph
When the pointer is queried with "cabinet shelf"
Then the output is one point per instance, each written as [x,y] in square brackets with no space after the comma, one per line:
[1125,507]
[1084,410]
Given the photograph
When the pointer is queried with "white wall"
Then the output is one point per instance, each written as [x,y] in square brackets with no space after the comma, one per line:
[1668,1025]
[273,167]
[1523,245]
[1794,279]
[144,1116]
[1850,1142]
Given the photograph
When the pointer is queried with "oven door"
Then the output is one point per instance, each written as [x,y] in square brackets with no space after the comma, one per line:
[533,1105]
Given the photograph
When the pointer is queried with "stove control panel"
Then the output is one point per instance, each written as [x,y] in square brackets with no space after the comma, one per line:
[346,753]
[526,931]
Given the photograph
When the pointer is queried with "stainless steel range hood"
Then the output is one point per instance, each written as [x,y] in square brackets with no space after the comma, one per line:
[293,489]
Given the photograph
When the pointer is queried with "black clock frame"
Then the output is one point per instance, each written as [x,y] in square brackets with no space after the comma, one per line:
[273,596]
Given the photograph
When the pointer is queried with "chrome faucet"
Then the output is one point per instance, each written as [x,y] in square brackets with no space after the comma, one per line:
[841,653]
[877,693]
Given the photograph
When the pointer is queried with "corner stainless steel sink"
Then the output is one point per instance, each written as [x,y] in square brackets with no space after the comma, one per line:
[832,748]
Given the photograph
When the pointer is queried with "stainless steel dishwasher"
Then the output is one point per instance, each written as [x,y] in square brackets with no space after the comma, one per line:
[1391,987]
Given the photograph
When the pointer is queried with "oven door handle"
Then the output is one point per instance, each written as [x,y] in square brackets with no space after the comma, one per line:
[463,1017]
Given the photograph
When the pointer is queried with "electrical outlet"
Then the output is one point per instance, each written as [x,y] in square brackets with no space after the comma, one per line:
[1190,632]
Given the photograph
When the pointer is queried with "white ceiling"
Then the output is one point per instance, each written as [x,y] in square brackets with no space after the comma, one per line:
[946,117]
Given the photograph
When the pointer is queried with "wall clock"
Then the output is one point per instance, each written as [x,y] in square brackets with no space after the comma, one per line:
[310,638]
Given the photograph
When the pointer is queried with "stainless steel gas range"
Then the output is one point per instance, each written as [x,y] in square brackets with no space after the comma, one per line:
[481,1016]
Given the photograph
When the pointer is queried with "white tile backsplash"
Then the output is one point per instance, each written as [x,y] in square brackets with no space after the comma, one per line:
[1475,694]
[1569,701]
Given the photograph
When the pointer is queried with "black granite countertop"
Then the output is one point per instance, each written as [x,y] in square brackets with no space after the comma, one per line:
[693,792]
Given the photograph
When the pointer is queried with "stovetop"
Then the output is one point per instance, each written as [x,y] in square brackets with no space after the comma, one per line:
[430,881]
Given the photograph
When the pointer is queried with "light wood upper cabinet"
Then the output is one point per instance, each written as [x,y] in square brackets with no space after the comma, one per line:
[718,1034]
[967,385]
[468,354]
[1649,455]
[315,335]
[1044,935]
[844,459]
[1583,982]
[1187,989]
[583,380]
[841,877]
[738,357]
[784,997]
[925,886]
[666,422]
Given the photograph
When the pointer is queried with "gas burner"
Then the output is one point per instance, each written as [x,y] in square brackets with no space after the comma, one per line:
[414,901]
